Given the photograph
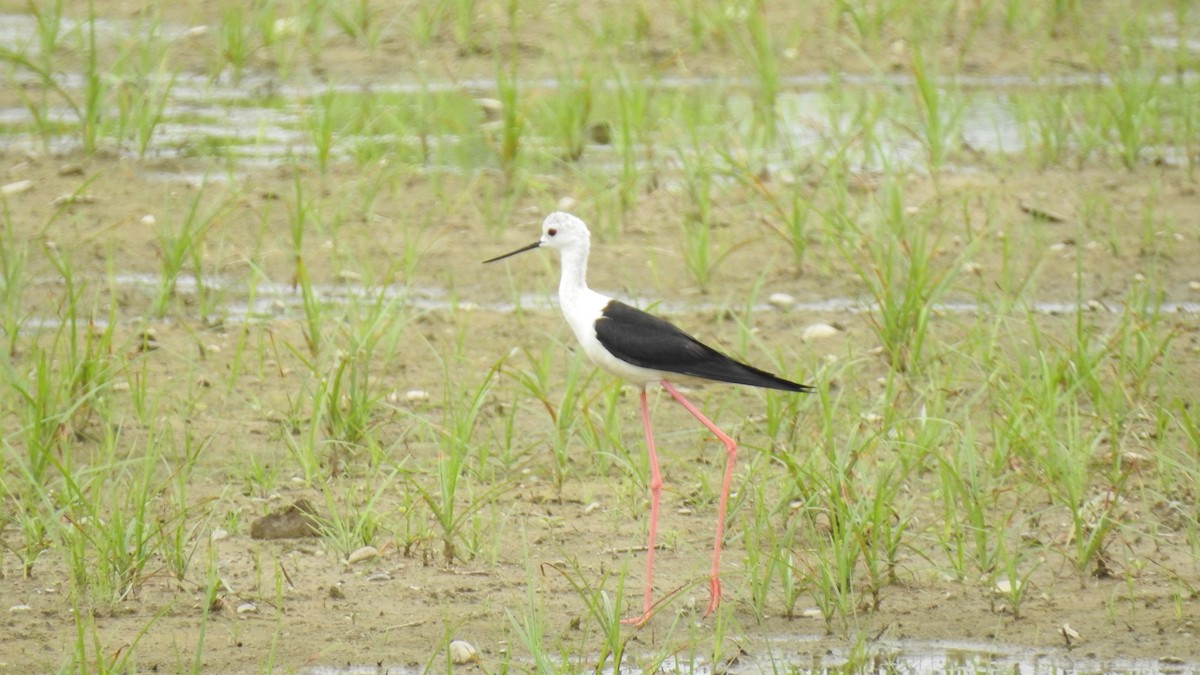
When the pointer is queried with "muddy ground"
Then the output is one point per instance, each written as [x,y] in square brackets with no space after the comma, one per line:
[311,608]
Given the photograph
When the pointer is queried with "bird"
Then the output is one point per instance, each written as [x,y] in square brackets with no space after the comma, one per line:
[645,350]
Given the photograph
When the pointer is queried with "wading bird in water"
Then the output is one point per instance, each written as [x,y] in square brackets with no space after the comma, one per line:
[644,350]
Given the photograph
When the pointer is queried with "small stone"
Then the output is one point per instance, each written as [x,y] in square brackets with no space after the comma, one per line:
[288,26]
[294,521]
[120,386]
[20,608]
[971,268]
[414,395]
[380,576]
[818,331]
[812,613]
[349,276]
[1134,459]
[218,534]
[781,301]
[68,199]
[491,108]
[462,652]
[148,220]
[361,554]
[246,608]
[1069,634]
[1005,586]
[1042,214]
[600,133]
[1194,285]
[16,188]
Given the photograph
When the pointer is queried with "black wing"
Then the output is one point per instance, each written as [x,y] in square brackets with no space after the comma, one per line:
[650,342]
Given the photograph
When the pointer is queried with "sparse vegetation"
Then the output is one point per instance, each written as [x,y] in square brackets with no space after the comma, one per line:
[239,251]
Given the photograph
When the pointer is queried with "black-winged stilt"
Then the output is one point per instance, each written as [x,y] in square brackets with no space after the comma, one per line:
[644,349]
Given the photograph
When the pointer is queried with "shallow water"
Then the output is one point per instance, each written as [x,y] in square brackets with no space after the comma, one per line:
[260,121]
[272,300]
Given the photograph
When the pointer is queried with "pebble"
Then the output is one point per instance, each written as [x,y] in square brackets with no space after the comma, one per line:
[289,26]
[16,188]
[218,534]
[364,553]
[148,220]
[20,608]
[492,108]
[1134,458]
[246,608]
[68,199]
[818,331]
[414,395]
[462,652]
[812,613]
[1005,586]
[380,576]
[781,301]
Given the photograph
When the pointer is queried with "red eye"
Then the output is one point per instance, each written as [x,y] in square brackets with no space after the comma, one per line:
[552,231]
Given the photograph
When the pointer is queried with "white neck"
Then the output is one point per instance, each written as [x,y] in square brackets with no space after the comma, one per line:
[574,274]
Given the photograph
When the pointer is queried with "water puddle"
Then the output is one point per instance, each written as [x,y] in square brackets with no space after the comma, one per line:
[259,121]
[235,303]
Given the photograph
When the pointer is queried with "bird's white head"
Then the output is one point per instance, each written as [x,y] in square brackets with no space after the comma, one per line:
[564,232]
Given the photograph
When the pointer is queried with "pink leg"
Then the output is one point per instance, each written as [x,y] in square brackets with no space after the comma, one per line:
[730,456]
[655,494]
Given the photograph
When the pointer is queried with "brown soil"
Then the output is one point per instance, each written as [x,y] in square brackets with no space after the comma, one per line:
[311,608]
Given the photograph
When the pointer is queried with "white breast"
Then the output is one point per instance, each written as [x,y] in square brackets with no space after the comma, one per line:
[584,309]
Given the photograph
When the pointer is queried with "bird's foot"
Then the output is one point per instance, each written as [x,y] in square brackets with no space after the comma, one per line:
[638,621]
[714,590]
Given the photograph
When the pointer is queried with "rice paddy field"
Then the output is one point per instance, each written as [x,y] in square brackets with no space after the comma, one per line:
[263,409]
